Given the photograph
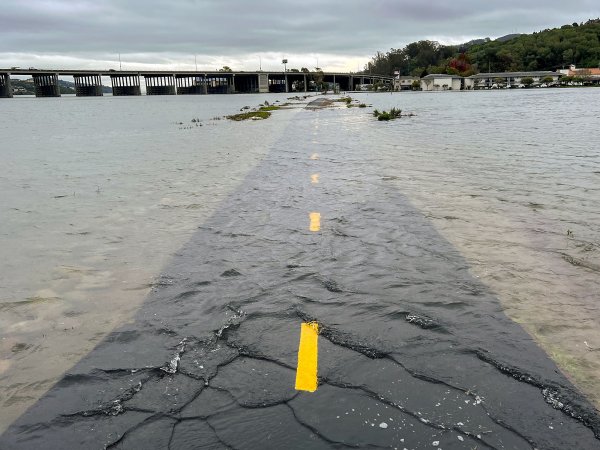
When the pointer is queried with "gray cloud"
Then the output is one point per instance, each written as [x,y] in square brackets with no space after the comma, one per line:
[238,31]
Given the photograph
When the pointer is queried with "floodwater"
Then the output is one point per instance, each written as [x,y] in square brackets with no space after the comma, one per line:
[401,239]
[97,195]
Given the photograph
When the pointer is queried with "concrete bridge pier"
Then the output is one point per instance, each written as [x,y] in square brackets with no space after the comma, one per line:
[246,83]
[263,83]
[220,84]
[190,84]
[46,85]
[88,85]
[125,85]
[160,84]
[5,86]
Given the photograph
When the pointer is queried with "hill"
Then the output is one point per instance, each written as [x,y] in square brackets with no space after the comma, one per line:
[508,37]
[545,50]
[26,87]
[549,49]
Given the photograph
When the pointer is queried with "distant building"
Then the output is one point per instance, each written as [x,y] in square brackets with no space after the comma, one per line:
[591,75]
[443,82]
[573,71]
[404,83]
[499,80]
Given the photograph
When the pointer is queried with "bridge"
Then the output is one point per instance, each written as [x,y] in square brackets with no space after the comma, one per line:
[88,83]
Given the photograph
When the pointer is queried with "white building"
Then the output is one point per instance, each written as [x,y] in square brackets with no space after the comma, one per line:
[403,83]
[443,82]
[512,79]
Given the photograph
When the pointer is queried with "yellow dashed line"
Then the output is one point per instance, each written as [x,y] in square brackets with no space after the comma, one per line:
[308,356]
[314,156]
[314,178]
[315,221]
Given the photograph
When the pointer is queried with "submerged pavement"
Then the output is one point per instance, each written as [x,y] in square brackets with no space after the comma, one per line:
[413,351]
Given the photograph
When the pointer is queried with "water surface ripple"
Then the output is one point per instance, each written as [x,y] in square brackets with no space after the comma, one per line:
[411,338]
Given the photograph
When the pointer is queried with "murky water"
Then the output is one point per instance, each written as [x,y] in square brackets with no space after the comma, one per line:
[100,194]
[512,179]
[96,196]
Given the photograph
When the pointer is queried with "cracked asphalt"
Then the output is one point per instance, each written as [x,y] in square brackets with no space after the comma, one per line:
[414,352]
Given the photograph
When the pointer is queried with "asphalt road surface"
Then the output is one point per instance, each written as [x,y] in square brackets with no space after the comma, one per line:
[413,351]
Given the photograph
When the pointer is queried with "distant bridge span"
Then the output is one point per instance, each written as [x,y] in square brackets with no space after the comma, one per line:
[88,83]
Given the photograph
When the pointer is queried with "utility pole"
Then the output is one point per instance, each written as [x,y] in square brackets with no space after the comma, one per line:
[120,62]
[196,62]
[284,62]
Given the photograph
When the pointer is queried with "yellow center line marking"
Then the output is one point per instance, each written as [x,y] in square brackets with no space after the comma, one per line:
[315,221]
[314,156]
[314,178]
[308,356]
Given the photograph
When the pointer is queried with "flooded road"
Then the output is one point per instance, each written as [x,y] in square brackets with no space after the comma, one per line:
[340,223]
[97,196]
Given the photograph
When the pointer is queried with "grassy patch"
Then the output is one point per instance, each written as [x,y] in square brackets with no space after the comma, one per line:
[346,100]
[269,108]
[254,115]
[385,115]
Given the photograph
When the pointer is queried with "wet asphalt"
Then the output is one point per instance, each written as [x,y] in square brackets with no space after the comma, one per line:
[414,352]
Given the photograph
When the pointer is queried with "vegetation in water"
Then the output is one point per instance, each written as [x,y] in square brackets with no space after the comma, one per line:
[254,115]
[346,100]
[269,108]
[350,102]
[392,114]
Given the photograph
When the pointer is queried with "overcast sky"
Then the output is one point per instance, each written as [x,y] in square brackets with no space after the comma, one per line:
[336,35]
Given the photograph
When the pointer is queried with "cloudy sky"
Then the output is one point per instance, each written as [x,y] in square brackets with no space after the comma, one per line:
[243,34]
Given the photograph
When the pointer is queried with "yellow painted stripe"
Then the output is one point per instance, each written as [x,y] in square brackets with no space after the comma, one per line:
[315,221]
[314,156]
[308,356]
[314,178]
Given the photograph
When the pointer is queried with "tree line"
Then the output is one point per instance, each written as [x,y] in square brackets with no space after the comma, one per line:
[549,49]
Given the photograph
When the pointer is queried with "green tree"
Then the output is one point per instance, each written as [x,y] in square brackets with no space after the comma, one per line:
[527,81]
[544,50]
[500,82]
[318,78]
[567,56]
[225,69]
[547,80]
[566,80]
